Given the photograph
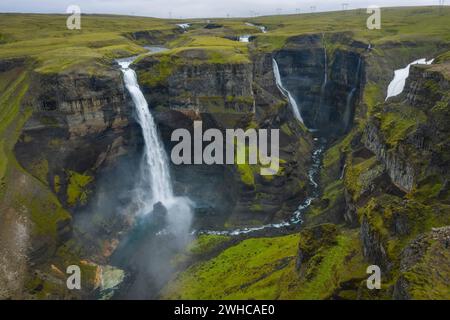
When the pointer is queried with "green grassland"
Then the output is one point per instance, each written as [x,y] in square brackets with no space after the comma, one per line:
[266,268]
[254,268]
[45,38]
[397,25]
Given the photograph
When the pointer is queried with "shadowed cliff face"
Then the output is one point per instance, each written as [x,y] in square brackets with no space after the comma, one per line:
[80,143]
[325,80]
[224,96]
[80,123]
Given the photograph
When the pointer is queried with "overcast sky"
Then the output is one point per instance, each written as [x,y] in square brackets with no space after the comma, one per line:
[196,8]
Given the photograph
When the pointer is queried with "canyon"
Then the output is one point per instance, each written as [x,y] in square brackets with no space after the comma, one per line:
[86,175]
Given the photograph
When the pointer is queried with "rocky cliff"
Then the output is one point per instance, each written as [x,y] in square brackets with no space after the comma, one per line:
[390,178]
[228,95]
[325,74]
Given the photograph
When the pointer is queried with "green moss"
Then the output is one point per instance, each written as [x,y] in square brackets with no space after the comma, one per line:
[45,211]
[159,73]
[372,95]
[204,244]
[385,212]
[40,170]
[398,121]
[246,174]
[332,194]
[57,183]
[240,271]
[286,130]
[357,176]
[327,266]
[255,207]
[194,50]
[77,189]
[264,268]
[428,278]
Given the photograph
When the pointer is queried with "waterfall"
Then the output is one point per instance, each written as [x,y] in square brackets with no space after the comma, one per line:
[324,82]
[155,167]
[244,38]
[184,26]
[325,69]
[285,92]
[262,28]
[155,173]
[397,84]
[347,113]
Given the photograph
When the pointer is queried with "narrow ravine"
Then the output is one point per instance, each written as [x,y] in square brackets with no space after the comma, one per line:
[320,144]
[297,216]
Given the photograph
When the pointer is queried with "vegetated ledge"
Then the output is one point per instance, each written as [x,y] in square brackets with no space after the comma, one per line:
[405,132]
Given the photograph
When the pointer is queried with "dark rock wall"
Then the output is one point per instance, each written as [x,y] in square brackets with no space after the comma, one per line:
[326,82]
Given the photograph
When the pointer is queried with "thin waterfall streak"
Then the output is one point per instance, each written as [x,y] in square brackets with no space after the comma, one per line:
[286,93]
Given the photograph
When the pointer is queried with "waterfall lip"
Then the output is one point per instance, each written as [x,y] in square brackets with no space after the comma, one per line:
[260,27]
[397,84]
[184,26]
[126,62]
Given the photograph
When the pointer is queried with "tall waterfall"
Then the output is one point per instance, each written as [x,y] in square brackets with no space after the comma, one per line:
[156,170]
[155,185]
[348,112]
[325,76]
[325,69]
[285,92]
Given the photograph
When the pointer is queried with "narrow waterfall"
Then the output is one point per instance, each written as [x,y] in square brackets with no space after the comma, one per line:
[262,28]
[325,69]
[348,112]
[325,76]
[285,92]
[397,84]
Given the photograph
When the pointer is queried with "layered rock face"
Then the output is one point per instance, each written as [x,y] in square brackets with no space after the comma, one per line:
[409,137]
[387,181]
[424,267]
[80,123]
[226,96]
[426,137]
[325,81]
[80,137]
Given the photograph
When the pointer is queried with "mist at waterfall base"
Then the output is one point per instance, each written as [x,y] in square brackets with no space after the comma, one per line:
[162,220]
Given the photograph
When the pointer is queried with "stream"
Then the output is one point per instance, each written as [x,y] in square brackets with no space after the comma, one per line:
[297,217]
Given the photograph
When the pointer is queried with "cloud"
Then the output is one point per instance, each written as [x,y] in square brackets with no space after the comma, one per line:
[195,8]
